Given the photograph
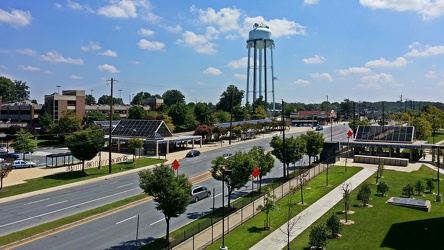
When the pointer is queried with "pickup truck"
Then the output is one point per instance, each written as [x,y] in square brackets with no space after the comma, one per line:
[23,164]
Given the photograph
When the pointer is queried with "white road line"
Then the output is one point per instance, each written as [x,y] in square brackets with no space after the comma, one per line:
[217,195]
[126,219]
[60,202]
[32,202]
[125,185]
[157,221]
[62,209]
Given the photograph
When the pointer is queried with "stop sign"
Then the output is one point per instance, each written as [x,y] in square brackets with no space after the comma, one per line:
[349,133]
[175,164]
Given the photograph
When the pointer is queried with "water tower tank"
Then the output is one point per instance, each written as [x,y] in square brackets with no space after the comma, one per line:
[259,33]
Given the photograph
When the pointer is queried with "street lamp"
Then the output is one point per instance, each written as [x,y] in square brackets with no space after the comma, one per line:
[224,172]
[438,195]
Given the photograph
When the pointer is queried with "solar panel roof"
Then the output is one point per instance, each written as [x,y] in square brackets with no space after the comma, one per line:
[153,129]
[385,133]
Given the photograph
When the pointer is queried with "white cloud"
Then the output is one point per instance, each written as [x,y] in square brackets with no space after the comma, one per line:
[417,50]
[300,82]
[109,53]
[58,6]
[28,52]
[314,60]
[381,62]
[212,71]
[77,6]
[383,77]
[120,9]
[16,18]
[173,29]
[75,77]
[199,43]
[148,45]
[55,57]
[354,70]
[371,85]
[426,8]
[322,76]
[29,68]
[430,74]
[226,19]
[308,2]
[145,32]
[92,46]
[6,75]
[135,62]
[108,68]
[239,64]
[240,76]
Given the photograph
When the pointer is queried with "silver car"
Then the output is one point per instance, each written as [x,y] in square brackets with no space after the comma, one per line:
[198,193]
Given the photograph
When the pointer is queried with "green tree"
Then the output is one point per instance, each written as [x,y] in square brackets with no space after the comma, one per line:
[93,116]
[221,116]
[292,152]
[134,143]
[263,161]
[182,117]
[318,236]
[137,113]
[139,98]
[382,188]
[67,124]
[408,190]
[355,123]
[346,108]
[364,194]
[4,172]
[203,114]
[268,206]
[314,141]
[419,187]
[173,96]
[24,142]
[241,166]
[230,98]
[90,100]
[430,185]
[170,192]
[346,189]
[7,90]
[259,113]
[423,128]
[21,90]
[106,99]
[85,144]
[45,121]
[334,225]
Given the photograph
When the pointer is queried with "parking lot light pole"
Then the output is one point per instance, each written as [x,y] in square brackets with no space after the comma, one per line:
[224,172]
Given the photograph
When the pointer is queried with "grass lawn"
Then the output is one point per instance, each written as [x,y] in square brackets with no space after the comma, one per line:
[70,177]
[252,231]
[439,136]
[385,226]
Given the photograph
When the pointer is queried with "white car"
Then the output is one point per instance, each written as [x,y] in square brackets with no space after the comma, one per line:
[23,164]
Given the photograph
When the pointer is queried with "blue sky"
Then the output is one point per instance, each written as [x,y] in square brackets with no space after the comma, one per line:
[367,50]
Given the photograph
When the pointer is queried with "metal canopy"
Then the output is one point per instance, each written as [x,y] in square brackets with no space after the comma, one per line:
[385,133]
[151,129]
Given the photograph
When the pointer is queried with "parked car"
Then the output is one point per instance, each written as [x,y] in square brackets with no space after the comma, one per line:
[227,155]
[9,156]
[319,128]
[23,164]
[193,153]
[198,193]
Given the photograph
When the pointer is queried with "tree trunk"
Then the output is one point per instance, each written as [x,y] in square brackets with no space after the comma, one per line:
[229,197]
[83,166]
[167,236]
[260,183]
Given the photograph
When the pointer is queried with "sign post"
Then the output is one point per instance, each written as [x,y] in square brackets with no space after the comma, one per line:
[176,166]
[349,134]
[256,172]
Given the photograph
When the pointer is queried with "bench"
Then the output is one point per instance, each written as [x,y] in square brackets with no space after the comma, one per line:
[376,159]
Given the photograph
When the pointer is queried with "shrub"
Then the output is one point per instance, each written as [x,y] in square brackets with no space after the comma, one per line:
[430,185]
[318,236]
[407,190]
[419,187]
[334,225]
[382,188]
[364,194]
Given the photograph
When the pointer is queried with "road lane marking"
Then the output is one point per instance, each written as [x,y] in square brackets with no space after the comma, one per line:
[125,185]
[65,208]
[157,221]
[117,223]
[32,202]
[60,202]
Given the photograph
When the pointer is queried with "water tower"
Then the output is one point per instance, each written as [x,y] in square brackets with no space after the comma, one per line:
[260,39]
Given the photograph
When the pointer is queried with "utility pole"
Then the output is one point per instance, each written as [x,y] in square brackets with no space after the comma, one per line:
[283,137]
[110,125]
[400,103]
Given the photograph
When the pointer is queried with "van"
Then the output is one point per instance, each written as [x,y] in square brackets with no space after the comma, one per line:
[198,193]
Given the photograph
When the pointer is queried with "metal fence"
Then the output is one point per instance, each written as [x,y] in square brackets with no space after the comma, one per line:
[210,230]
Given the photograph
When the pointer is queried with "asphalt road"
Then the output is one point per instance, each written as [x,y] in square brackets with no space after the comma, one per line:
[119,230]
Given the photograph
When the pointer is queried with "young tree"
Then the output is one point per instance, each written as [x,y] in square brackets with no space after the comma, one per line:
[85,144]
[364,194]
[263,161]
[170,192]
[430,185]
[408,190]
[291,153]
[334,225]
[268,206]
[93,116]
[419,187]
[382,188]
[346,189]
[291,223]
[24,142]
[67,124]
[314,141]
[4,171]
[318,236]
[134,143]
[241,166]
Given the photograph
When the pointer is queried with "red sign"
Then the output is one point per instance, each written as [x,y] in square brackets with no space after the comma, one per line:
[256,172]
[175,164]
[349,133]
